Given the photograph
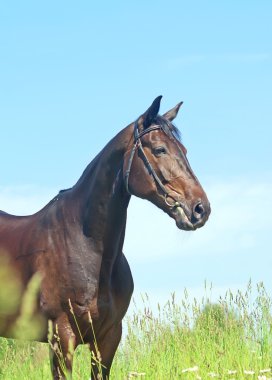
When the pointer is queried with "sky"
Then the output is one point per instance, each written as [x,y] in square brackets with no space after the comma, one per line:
[74,74]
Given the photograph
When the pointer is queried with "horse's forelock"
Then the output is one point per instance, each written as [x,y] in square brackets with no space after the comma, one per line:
[169,128]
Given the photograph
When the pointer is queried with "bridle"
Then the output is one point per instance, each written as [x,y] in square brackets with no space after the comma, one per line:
[138,145]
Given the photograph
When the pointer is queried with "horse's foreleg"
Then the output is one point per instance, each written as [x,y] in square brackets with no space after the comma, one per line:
[62,349]
[107,346]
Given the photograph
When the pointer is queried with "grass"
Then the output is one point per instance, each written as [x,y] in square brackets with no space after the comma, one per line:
[183,339]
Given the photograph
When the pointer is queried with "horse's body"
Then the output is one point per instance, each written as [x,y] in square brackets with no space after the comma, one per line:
[75,242]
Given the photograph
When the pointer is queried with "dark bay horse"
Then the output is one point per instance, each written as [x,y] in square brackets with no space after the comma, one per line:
[75,242]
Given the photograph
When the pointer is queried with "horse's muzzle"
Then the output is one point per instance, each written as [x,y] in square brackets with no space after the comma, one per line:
[190,221]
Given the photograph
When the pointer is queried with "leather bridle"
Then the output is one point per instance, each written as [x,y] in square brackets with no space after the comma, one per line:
[138,145]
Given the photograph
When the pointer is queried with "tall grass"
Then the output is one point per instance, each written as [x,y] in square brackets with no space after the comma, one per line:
[194,339]
[183,339]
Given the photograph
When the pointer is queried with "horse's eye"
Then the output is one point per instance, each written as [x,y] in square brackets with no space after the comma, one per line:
[159,151]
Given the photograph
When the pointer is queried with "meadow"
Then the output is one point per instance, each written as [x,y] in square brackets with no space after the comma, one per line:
[183,339]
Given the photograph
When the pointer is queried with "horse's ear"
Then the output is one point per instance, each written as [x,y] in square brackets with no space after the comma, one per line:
[171,114]
[149,115]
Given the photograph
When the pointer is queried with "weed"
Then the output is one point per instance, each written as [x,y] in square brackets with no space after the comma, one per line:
[186,339]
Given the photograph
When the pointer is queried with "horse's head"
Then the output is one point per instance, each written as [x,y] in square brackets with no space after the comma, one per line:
[156,168]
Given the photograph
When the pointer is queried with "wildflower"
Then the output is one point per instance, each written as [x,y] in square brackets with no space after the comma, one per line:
[248,372]
[193,369]
[212,374]
[232,372]
[265,370]
[132,374]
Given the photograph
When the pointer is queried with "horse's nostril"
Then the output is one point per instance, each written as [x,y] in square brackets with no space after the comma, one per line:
[198,210]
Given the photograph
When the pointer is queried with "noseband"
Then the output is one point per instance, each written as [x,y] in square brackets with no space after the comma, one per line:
[138,145]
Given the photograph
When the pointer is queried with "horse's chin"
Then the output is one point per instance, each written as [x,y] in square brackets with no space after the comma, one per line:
[182,221]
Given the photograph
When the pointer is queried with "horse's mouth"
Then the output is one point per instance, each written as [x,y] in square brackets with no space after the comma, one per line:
[182,220]
[188,223]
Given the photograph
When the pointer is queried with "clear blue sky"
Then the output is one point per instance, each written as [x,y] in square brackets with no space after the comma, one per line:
[73,74]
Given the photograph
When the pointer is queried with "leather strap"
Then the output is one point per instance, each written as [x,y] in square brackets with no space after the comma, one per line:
[138,145]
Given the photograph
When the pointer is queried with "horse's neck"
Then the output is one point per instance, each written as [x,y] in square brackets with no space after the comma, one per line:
[102,197]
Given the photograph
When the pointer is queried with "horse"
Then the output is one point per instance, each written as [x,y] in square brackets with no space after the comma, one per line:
[75,242]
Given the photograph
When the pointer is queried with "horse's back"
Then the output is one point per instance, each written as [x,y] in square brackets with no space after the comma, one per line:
[8,221]
[6,215]
[12,230]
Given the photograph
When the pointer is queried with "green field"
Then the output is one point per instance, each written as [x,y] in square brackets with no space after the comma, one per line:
[183,339]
